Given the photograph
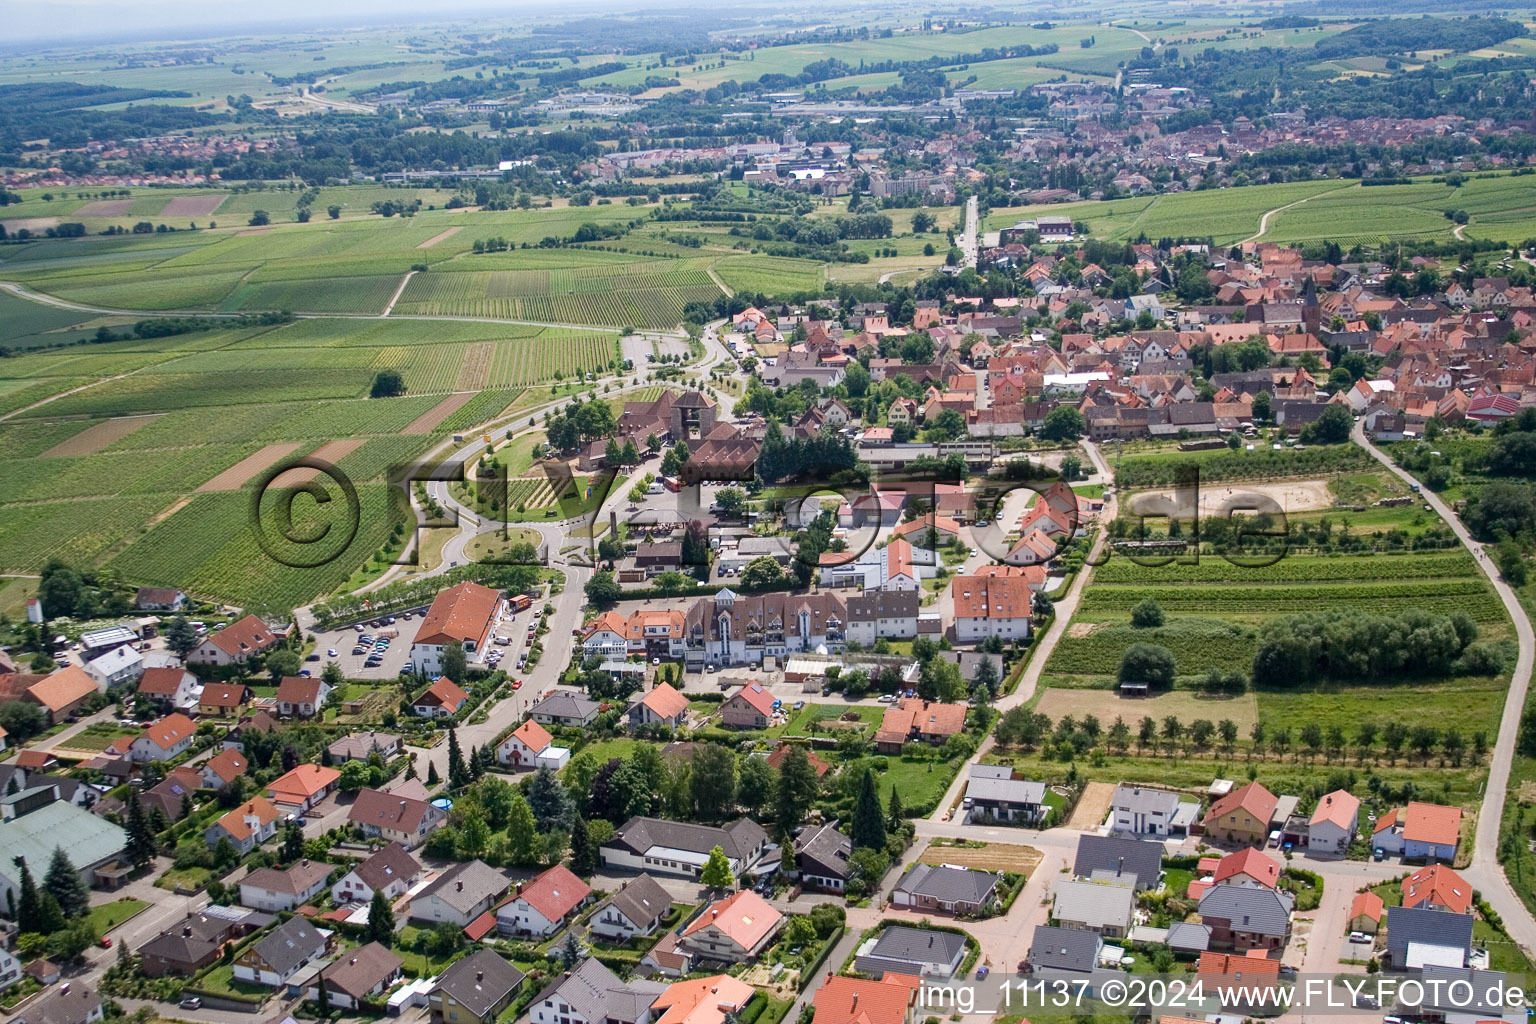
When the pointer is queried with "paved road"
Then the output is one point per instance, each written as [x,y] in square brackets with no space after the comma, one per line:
[968,237]
[1485,873]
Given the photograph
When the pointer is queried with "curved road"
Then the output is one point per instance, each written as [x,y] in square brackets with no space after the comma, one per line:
[1485,873]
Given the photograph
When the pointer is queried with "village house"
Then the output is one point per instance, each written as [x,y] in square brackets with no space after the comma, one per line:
[565,707]
[915,952]
[541,906]
[273,960]
[636,909]
[460,894]
[845,1000]
[1095,907]
[751,707]
[391,870]
[915,719]
[172,689]
[367,971]
[661,705]
[993,794]
[682,848]
[168,738]
[821,856]
[1437,887]
[1247,917]
[443,699]
[1119,861]
[475,990]
[275,889]
[733,929]
[1419,831]
[236,644]
[298,791]
[224,768]
[396,818]
[1333,823]
[1242,816]
[590,993]
[222,700]
[247,826]
[360,746]
[522,748]
[465,615]
[301,696]
[930,887]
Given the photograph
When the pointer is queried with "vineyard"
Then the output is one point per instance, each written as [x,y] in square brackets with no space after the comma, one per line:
[772,275]
[649,295]
[335,295]
[209,547]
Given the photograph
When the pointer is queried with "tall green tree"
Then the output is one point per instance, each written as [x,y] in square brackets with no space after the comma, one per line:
[868,830]
[180,637]
[583,854]
[458,771]
[454,663]
[381,920]
[66,886]
[36,910]
[293,842]
[797,790]
[713,783]
[522,831]
[551,805]
[717,871]
[141,841]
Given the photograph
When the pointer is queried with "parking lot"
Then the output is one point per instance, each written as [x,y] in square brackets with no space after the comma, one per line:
[394,658]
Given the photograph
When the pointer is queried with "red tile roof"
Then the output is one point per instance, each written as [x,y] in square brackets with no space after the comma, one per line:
[1339,807]
[760,699]
[1367,904]
[844,1000]
[1253,798]
[462,612]
[1439,885]
[62,689]
[304,781]
[744,916]
[1249,862]
[244,637]
[702,1000]
[161,682]
[555,893]
[665,701]
[532,735]
[1432,823]
[170,730]
[259,809]
[228,765]
[444,693]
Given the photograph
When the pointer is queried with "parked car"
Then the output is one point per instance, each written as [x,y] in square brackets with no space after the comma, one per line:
[191,1003]
[313,657]
[331,652]
[517,684]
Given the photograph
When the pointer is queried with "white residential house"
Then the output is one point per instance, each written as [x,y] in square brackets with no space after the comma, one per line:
[118,667]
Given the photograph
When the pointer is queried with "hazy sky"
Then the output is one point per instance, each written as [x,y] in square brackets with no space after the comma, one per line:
[137,19]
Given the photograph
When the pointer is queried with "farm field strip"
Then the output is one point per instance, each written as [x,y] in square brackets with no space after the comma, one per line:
[98,436]
[247,468]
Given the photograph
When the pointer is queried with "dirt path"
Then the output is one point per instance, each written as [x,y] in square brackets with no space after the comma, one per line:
[441,236]
[710,270]
[1264,220]
[398,292]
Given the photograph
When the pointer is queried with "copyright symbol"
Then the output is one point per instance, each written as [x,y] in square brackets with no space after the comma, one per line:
[310,534]
[1112,992]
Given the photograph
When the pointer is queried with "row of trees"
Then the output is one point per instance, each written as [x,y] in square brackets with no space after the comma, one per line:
[1071,737]
[1351,643]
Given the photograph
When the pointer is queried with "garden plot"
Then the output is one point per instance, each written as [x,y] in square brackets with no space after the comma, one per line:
[428,420]
[1186,706]
[1012,857]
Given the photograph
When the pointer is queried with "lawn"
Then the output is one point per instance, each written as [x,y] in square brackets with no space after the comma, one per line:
[827,718]
[97,735]
[106,916]
[221,981]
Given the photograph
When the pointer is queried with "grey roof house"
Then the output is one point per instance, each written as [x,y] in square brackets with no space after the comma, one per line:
[460,894]
[592,994]
[1120,860]
[636,909]
[1095,907]
[902,950]
[821,854]
[1418,937]
[954,890]
[565,708]
[1064,952]
[1246,916]
[992,793]
[476,989]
